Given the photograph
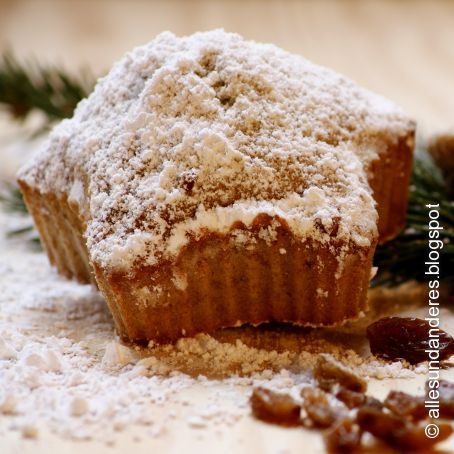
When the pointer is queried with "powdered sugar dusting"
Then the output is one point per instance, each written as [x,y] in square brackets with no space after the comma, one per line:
[191,134]
[61,366]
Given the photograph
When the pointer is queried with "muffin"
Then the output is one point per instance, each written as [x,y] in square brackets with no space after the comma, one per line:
[209,181]
[441,148]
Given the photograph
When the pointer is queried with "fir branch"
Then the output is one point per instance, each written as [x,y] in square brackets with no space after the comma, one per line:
[402,259]
[11,199]
[12,202]
[28,87]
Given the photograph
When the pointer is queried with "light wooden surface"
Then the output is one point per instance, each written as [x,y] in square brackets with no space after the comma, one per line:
[402,49]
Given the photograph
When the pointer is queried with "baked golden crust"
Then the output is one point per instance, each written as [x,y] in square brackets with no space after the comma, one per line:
[389,179]
[441,147]
[61,231]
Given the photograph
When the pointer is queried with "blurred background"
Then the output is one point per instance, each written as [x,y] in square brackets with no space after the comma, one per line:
[401,49]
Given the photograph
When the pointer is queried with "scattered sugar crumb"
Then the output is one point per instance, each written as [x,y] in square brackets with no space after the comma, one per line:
[29,430]
[7,403]
[79,406]
[197,422]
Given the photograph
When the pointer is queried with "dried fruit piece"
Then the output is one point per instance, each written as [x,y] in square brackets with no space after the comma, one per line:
[379,423]
[413,437]
[403,404]
[320,412]
[345,436]
[398,431]
[353,399]
[406,338]
[330,372]
[275,408]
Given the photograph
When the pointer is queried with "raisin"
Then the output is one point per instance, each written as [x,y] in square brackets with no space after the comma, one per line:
[353,399]
[275,408]
[399,432]
[330,372]
[344,437]
[379,423]
[320,412]
[407,338]
[403,404]
[413,437]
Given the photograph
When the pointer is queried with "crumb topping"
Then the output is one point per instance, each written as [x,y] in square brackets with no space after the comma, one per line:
[193,134]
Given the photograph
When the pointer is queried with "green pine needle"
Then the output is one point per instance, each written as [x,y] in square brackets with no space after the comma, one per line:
[12,202]
[402,259]
[25,88]
[29,87]
[11,199]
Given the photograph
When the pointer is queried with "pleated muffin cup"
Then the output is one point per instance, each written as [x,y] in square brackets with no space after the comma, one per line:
[217,283]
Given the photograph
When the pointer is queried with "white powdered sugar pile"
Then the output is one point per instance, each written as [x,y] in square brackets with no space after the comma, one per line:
[192,134]
[63,370]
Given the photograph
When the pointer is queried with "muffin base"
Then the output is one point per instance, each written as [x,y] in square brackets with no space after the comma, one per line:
[217,283]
